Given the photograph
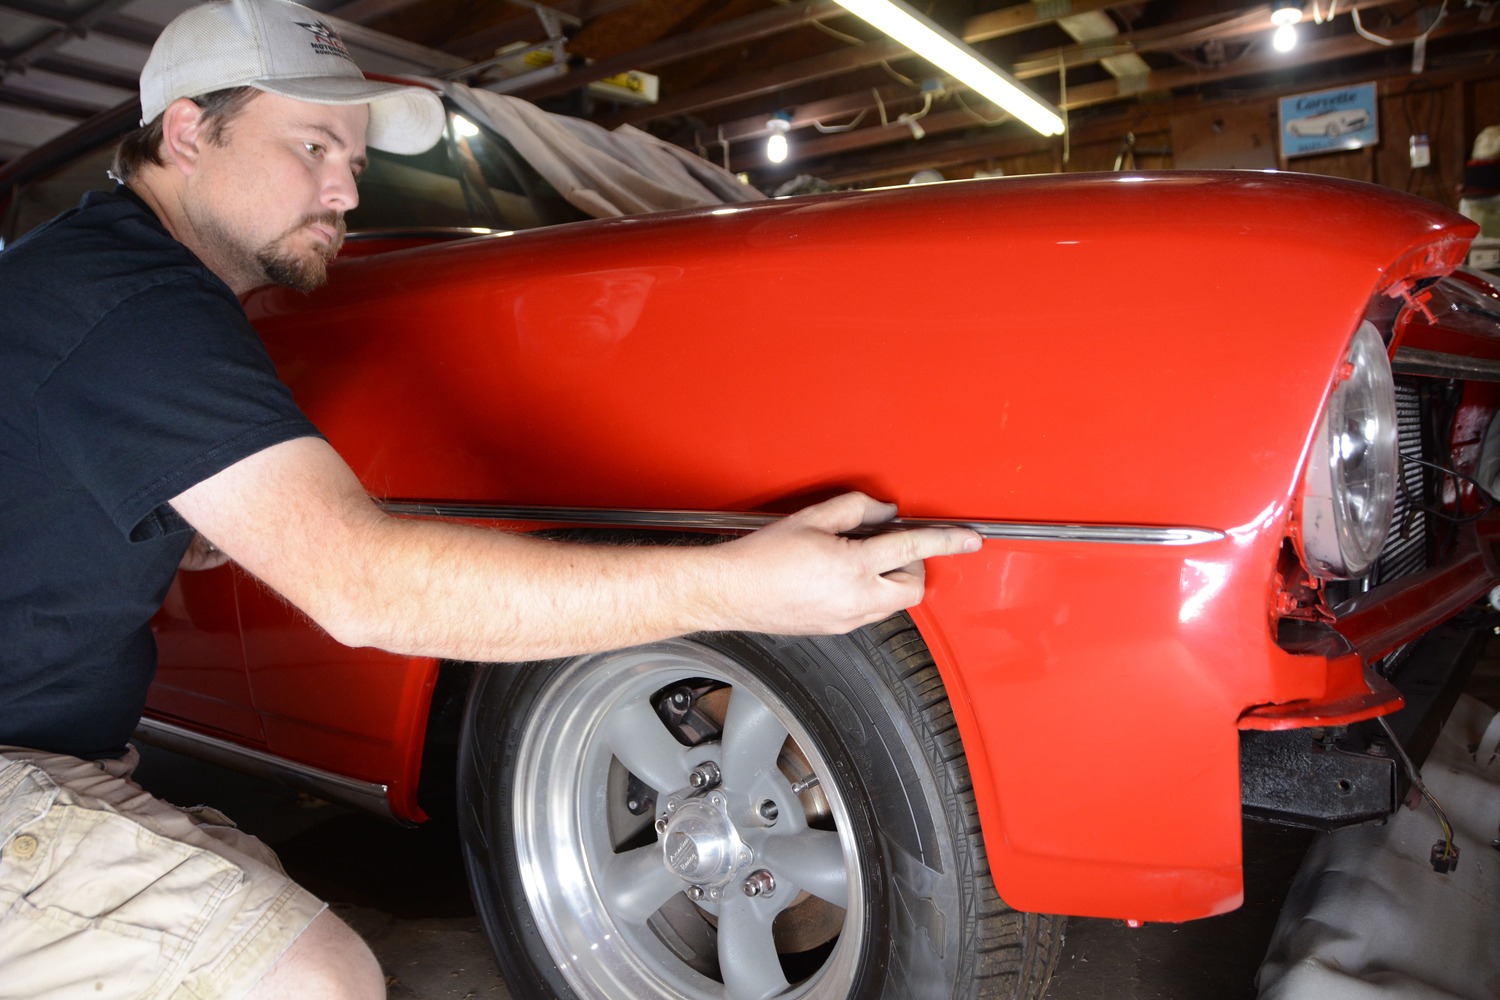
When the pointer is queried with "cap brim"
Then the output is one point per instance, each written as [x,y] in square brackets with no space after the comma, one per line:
[402,119]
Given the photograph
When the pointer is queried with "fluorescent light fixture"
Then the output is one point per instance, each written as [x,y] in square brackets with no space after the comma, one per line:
[952,56]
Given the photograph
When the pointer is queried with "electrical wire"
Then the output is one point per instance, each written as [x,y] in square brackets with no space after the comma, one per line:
[835,33]
[900,78]
[907,118]
[825,129]
[1488,505]
[1449,853]
[981,119]
[1372,37]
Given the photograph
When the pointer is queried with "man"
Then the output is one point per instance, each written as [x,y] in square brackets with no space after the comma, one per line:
[139,407]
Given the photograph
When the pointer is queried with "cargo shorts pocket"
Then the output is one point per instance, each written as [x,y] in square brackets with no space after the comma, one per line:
[92,903]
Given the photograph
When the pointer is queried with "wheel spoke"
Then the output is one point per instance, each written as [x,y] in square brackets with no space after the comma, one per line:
[814,860]
[638,738]
[752,738]
[747,954]
[635,884]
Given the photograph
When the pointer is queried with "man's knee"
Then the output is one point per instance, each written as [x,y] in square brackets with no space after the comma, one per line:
[328,961]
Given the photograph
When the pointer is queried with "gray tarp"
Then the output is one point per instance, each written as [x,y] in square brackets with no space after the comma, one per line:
[1368,919]
[602,172]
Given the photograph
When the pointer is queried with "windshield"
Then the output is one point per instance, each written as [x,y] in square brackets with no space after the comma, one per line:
[471,178]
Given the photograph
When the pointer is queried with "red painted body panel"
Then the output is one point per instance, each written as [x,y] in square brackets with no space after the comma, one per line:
[1119,349]
[200,670]
[1032,363]
[355,712]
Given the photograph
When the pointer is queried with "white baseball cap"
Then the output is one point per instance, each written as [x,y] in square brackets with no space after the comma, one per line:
[282,48]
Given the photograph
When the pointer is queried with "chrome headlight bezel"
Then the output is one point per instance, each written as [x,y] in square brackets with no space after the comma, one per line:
[1349,486]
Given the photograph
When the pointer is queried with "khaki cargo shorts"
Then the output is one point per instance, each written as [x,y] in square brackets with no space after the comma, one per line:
[107,892]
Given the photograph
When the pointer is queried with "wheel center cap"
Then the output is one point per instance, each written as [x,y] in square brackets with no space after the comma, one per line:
[701,844]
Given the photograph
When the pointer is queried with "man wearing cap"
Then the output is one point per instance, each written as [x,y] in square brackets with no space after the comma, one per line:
[140,413]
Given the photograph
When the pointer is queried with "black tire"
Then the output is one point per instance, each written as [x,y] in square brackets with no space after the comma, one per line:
[580,901]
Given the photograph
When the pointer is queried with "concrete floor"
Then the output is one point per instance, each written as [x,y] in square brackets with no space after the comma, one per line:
[405,891]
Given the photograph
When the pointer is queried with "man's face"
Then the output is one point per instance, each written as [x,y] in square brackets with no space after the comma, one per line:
[267,203]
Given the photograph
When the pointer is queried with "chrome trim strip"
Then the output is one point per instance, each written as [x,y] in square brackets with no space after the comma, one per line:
[326,785]
[426,232]
[1415,361]
[696,520]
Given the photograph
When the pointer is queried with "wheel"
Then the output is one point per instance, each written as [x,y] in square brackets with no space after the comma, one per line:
[736,816]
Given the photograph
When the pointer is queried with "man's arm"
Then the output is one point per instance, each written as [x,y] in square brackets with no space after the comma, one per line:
[296,516]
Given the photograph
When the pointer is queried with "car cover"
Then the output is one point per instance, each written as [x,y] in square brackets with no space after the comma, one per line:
[602,172]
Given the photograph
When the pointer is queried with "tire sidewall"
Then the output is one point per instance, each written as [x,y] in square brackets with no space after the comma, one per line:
[841,690]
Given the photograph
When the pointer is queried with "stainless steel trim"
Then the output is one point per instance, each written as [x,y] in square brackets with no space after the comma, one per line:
[425,232]
[1415,361]
[697,520]
[361,795]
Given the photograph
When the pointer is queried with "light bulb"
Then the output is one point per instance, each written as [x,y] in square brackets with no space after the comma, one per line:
[1285,38]
[1286,12]
[776,147]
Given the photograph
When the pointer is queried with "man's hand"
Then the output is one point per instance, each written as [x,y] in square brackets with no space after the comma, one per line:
[803,576]
[202,554]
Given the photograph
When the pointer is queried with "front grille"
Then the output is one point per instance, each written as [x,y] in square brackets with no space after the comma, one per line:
[1406,547]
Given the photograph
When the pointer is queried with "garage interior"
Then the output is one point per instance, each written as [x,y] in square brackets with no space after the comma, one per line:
[1143,85]
[1153,84]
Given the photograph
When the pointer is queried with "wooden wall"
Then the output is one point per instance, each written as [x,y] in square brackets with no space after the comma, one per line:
[1450,109]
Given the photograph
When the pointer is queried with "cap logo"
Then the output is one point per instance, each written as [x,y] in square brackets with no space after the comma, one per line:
[326,41]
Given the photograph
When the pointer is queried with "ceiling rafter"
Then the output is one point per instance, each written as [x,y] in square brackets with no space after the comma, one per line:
[981,28]
[1237,25]
[59,31]
[727,66]
[897,164]
[751,27]
[817,152]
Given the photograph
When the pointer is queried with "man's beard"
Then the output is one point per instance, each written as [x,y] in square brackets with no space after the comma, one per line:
[301,272]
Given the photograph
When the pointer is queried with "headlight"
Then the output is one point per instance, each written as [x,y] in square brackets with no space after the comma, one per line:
[1349,490]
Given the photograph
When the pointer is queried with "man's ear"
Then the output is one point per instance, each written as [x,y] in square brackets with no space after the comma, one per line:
[182,135]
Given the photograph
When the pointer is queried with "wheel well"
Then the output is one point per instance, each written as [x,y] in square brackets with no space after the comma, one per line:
[437,784]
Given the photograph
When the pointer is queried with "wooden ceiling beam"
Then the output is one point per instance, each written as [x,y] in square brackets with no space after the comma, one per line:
[822,159]
[1140,119]
[1043,63]
[1087,95]
[480,45]
[1005,21]
[752,27]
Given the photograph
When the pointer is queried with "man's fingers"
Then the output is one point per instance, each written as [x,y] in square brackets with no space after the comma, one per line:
[816,580]
[897,549]
[846,512]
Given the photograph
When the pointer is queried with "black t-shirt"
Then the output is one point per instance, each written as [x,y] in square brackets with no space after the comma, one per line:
[128,373]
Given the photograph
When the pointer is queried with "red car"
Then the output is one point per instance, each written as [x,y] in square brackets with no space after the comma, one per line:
[1220,432]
